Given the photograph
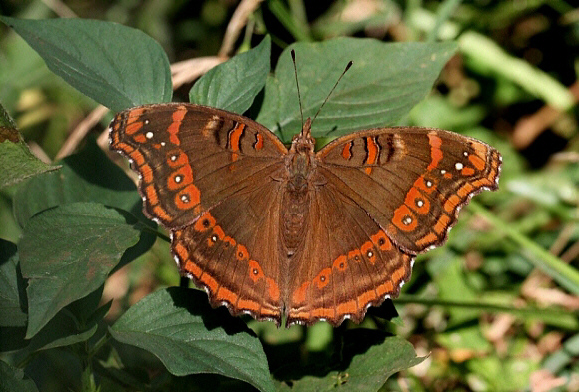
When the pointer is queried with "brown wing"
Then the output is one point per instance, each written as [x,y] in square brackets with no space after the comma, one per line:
[232,251]
[411,181]
[347,262]
[212,177]
[191,157]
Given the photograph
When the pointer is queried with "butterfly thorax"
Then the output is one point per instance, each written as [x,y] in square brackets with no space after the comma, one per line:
[300,167]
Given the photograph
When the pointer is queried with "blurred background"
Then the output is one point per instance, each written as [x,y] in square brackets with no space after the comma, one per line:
[512,83]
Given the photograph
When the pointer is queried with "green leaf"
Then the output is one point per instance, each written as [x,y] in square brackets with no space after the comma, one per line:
[67,252]
[88,176]
[234,85]
[12,293]
[181,329]
[13,379]
[368,369]
[16,160]
[117,66]
[510,374]
[383,84]
[69,326]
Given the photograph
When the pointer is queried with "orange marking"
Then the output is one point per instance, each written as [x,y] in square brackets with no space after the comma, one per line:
[373,150]
[224,294]
[341,263]
[193,269]
[477,162]
[248,304]
[192,193]
[125,148]
[229,240]
[464,190]
[185,176]
[116,124]
[137,157]
[427,239]
[300,315]
[272,289]
[162,214]
[241,253]
[435,151]
[182,252]
[327,313]
[209,281]
[255,271]
[402,213]
[399,274]
[235,137]
[218,231]
[146,173]
[151,195]
[385,288]
[347,151]
[381,240]
[354,255]
[347,307]
[134,127]
[413,198]
[140,139]
[448,175]
[264,312]
[477,158]
[442,223]
[421,184]
[451,203]
[366,297]
[299,296]
[323,278]
[372,156]
[258,141]
[368,247]
[115,137]
[482,182]
[181,159]
[134,115]
[205,222]
[173,130]
[467,171]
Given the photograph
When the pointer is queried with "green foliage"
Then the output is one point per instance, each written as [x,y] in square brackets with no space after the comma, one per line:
[68,235]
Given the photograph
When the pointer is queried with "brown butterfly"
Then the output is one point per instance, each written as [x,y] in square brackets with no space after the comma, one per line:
[295,233]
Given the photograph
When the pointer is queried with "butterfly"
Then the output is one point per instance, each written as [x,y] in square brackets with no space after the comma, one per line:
[291,233]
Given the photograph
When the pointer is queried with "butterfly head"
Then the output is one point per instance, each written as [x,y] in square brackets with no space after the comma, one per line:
[304,143]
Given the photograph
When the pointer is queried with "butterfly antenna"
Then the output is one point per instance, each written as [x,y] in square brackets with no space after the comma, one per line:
[333,88]
[293,53]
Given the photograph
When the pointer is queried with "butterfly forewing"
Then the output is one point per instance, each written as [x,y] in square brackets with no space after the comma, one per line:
[411,181]
[191,157]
